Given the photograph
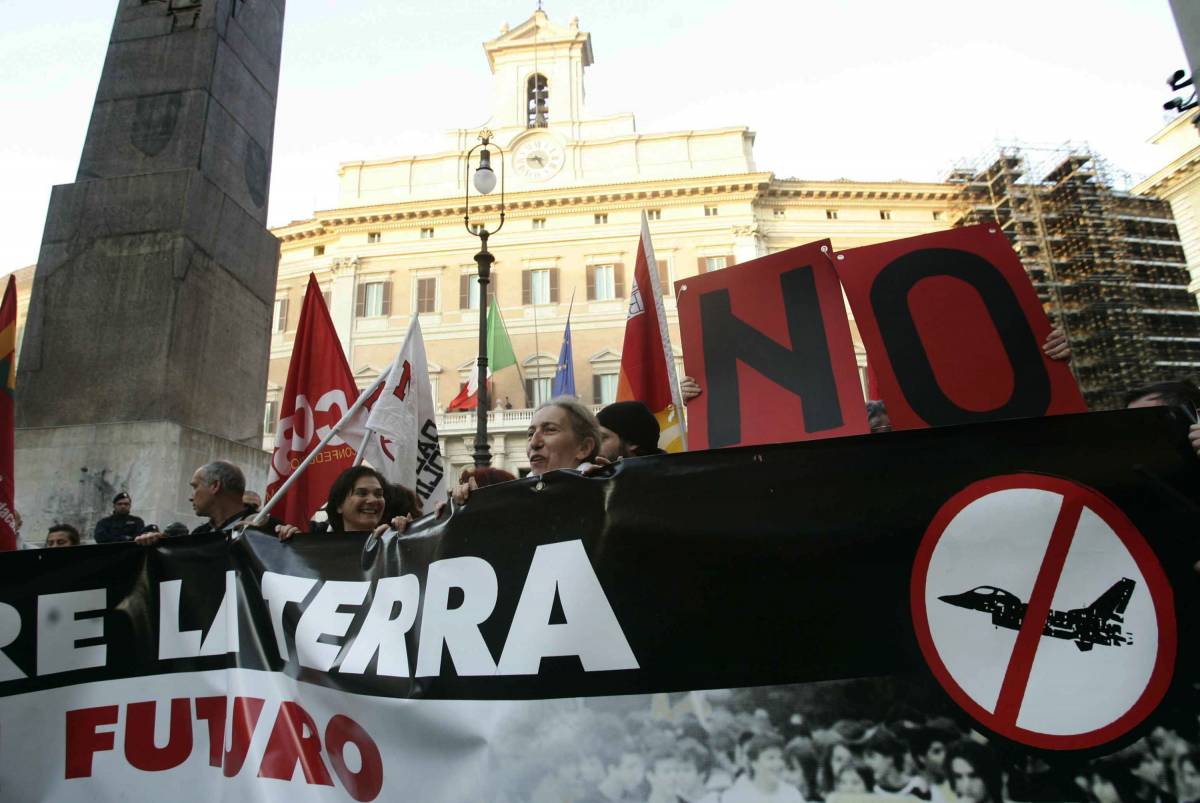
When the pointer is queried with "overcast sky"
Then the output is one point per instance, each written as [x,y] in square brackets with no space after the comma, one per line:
[862,89]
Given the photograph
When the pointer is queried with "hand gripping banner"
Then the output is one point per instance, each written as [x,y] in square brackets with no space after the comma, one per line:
[1028,580]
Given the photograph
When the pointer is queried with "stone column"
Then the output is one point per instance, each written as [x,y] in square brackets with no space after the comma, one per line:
[146,347]
[342,299]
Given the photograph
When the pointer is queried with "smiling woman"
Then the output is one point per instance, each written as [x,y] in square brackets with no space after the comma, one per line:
[356,500]
[361,500]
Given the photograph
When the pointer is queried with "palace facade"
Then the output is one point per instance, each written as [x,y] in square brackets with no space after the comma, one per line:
[575,188]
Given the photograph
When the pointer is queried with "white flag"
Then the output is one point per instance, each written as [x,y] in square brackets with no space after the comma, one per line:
[405,447]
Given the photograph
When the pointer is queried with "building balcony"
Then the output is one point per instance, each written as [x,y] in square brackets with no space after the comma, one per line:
[515,420]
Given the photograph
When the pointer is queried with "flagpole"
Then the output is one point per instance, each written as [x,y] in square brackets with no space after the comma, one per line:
[663,328]
[261,518]
[537,352]
[368,432]
[362,446]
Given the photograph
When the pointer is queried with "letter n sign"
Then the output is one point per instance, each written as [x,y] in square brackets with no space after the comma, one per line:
[953,330]
[769,343]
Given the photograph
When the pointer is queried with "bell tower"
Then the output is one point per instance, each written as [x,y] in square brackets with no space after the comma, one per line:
[537,70]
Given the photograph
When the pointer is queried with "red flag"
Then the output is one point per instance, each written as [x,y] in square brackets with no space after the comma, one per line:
[8,386]
[319,390]
[647,365]
[466,399]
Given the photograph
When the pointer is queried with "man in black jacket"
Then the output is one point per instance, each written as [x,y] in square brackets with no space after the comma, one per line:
[120,526]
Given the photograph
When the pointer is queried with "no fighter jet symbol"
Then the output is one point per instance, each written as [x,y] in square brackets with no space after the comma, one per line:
[1043,612]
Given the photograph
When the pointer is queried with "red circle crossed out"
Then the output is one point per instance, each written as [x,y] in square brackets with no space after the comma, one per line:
[1076,497]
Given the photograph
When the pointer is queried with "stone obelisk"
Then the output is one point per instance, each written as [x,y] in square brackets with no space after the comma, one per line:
[146,346]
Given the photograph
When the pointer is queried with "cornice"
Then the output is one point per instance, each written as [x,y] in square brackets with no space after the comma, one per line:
[1174,173]
[599,197]
[850,190]
[575,199]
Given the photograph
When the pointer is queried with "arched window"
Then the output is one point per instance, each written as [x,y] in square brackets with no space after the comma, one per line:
[537,102]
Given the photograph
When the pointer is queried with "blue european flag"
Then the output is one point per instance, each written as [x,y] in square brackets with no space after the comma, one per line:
[564,372]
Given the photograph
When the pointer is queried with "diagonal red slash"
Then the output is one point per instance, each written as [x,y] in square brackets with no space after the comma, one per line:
[1020,664]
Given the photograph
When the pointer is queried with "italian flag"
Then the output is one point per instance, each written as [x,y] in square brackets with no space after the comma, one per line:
[500,356]
[647,362]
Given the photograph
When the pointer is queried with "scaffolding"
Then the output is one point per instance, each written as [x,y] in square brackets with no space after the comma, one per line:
[1108,266]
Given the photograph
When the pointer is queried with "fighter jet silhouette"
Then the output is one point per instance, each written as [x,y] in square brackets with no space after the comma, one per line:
[1099,623]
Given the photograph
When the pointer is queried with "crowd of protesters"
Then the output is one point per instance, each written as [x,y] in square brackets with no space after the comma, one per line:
[788,743]
[563,434]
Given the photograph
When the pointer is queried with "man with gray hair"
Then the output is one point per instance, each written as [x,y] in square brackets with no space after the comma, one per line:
[217,490]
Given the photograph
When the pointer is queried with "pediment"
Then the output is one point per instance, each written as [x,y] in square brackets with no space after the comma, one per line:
[540,30]
[540,359]
[608,355]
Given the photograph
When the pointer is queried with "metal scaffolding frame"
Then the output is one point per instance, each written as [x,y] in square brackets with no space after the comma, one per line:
[1108,266]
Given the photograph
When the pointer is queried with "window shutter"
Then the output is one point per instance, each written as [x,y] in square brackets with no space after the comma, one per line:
[360,301]
[596,390]
[464,291]
[528,392]
[387,298]
[700,265]
[554,285]
[283,316]
[526,288]
[491,293]
[591,282]
[619,280]
[664,277]
[729,260]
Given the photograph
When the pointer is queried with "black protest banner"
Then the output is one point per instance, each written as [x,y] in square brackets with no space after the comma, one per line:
[769,341]
[953,330]
[870,556]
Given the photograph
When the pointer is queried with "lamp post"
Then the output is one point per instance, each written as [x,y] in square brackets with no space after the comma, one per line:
[484,181]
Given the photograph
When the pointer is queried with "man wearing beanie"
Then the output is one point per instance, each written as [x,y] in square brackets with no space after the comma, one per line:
[627,429]
[120,526]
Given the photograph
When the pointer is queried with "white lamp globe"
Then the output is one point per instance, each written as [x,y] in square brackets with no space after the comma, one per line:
[485,180]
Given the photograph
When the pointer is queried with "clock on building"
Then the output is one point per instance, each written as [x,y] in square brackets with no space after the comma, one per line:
[538,158]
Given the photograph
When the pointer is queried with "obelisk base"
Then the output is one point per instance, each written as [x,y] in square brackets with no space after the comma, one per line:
[69,474]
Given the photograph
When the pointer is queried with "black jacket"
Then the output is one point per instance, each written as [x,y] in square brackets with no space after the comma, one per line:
[117,528]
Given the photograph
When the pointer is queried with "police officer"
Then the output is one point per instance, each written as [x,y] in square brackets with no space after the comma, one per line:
[120,526]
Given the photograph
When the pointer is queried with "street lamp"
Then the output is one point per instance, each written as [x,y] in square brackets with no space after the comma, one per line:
[484,181]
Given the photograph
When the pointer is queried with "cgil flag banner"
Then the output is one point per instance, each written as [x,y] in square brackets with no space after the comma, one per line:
[1031,580]
[319,390]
